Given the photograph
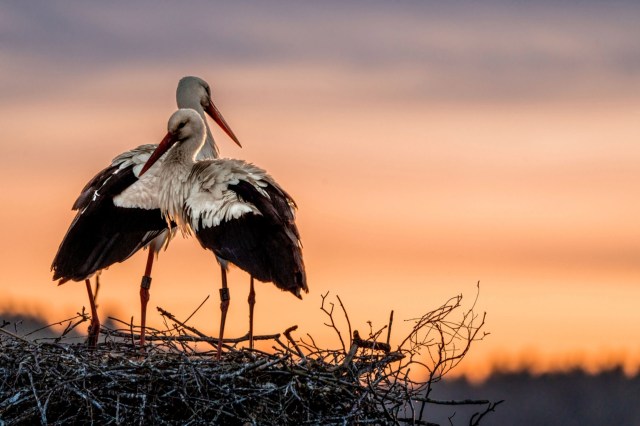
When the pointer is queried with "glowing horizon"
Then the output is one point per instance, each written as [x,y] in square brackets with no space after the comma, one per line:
[427,147]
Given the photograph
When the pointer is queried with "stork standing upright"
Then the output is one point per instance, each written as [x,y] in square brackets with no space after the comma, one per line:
[234,208]
[118,210]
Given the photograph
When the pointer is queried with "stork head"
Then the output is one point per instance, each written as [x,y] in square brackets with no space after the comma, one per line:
[195,93]
[185,126]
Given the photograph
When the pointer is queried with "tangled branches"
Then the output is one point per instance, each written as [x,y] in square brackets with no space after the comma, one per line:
[297,382]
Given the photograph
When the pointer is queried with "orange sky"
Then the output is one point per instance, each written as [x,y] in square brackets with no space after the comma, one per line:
[414,180]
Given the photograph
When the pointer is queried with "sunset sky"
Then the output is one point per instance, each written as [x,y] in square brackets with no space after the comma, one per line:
[428,146]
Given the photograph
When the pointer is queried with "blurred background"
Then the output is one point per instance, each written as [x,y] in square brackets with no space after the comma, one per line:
[429,146]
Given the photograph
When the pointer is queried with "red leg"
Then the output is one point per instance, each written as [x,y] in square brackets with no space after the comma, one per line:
[144,296]
[94,327]
[225,297]
[97,288]
[252,302]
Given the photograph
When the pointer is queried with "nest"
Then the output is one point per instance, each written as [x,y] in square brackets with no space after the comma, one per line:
[175,381]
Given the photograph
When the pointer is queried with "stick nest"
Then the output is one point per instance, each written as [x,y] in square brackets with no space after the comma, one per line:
[177,381]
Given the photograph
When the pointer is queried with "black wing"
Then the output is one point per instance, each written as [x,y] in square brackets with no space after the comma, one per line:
[265,245]
[102,233]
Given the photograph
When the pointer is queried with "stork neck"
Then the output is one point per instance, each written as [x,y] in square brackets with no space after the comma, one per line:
[183,154]
[209,149]
[173,188]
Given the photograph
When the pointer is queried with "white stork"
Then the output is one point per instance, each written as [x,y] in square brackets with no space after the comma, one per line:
[118,210]
[234,208]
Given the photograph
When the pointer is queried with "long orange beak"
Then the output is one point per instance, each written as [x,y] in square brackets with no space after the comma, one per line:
[213,112]
[166,143]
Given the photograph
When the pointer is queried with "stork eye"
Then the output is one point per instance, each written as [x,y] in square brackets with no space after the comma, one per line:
[182,124]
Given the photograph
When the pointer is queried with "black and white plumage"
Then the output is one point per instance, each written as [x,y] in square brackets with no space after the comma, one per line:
[234,208]
[118,210]
[103,233]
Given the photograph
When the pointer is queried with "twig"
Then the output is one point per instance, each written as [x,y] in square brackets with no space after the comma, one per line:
[475,419]
[389,328]
[347,359]
[454,401]
[15,336]
[287,334]
[330,315]
[197,309]
[189,338]
[55,323]
[43,413]
[133,343]
[346,316]
[183,325]
[370,345]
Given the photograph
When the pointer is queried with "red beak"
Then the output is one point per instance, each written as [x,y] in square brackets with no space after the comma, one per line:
[213,112]
[166,143]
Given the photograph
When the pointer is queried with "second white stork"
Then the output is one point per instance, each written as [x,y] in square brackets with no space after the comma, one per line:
[234,208]
[118,210]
